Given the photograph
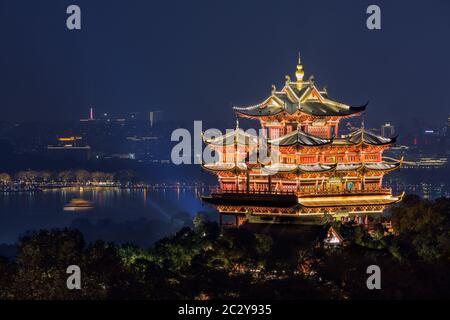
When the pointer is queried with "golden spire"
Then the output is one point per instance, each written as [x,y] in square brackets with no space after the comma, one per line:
[299,74]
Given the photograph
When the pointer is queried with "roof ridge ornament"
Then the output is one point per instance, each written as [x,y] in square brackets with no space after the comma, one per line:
[288,80]
[274,89]
[311,80]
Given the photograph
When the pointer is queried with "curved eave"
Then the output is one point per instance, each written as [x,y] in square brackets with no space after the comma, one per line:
[344,112]
[400,197]
[210,141]
[395,166]
[236,137]
[234,143]
[349,200]
[258,112]
[213,143]
[297,170]
[234,169]
[347,142]
[363,137]
[332,167]
[367,143]
[355,168]
[297,142]
[355,110]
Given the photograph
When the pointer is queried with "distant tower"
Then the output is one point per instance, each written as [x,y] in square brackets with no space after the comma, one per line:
[91,114]
[387,130]
[151,118]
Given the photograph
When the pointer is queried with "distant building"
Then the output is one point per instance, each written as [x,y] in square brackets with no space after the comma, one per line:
[154,116]
[123,156]
[72,141]
[426,163]
[431,162]
[387,130]
[142,146]
[70,148]
[91,115]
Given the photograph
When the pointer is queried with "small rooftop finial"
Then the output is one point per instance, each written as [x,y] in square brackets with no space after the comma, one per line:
[288,80]
[274,89]
[237,123]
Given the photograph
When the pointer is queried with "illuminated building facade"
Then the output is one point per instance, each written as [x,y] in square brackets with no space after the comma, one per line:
[70,148]
[387,130]
[313,170]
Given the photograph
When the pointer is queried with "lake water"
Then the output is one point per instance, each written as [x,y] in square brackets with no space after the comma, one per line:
[120,215]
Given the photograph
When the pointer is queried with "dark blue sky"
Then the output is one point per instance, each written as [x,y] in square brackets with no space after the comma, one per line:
[195,59]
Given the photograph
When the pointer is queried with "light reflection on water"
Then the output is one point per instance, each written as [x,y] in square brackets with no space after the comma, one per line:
[20,212]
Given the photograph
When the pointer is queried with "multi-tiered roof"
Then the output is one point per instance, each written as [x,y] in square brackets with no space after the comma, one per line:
[298,98]
[312,169]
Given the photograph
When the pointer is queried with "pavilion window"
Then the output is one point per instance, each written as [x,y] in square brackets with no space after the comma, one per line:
[371,157]
[275,133]
[308,159]
[290,160]
[228,186]
[288,187]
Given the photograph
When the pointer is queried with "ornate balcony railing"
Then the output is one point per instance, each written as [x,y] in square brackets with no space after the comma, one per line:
[218,190]
[353,191]
[302,192]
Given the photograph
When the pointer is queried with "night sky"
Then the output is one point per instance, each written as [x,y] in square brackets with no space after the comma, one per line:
[195,59]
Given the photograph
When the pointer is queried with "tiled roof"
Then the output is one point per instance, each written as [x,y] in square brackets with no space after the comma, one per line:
[299,137]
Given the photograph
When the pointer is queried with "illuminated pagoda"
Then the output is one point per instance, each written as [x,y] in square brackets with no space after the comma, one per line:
[315,171]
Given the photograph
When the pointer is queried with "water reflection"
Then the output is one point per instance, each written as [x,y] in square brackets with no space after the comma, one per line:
[119,215]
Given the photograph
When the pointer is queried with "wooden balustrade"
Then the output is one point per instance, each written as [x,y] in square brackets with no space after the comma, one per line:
[302,192]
